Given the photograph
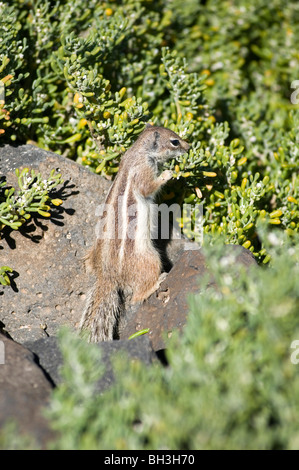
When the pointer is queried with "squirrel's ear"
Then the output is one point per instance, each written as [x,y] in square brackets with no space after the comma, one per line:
[148,125]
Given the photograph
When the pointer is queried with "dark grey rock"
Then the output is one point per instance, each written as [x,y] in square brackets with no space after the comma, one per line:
[49,357]
[25,392]
[49,283]
[136,349]
[167,309]
[49,287]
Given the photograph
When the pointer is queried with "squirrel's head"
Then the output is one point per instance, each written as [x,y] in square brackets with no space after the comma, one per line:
[162,144]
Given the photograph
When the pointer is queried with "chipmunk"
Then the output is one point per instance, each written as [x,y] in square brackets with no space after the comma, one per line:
[124,260]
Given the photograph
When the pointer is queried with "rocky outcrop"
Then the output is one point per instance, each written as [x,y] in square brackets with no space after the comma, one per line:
[49,288]
[24,392]
[49,285]
[167,309]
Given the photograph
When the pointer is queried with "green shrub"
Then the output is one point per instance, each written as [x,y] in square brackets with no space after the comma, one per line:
[83,81]
[31,198]
[230,384]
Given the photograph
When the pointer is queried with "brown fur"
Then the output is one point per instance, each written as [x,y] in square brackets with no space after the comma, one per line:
[124,261]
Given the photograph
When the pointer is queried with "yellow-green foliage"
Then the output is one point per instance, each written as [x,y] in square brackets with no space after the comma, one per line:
[232,377]
[232,380]
[31,198]
[83,81]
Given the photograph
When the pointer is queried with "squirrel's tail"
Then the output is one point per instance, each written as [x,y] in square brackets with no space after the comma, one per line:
[102,312]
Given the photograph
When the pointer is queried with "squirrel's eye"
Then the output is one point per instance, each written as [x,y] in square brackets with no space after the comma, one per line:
[175,142]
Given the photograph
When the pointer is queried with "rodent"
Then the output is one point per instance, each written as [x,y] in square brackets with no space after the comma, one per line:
[127,266]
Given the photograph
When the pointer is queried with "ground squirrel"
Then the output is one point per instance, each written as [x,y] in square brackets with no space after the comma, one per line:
[126,265]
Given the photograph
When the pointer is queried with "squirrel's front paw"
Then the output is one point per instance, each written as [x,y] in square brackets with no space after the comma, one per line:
[166,175]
